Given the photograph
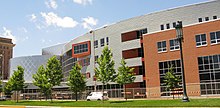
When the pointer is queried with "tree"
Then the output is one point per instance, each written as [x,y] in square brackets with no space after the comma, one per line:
[41,81]
[125,75]
[53,73]
[17,80]
[76,80]
[171,80]
[105,70]
[7,89]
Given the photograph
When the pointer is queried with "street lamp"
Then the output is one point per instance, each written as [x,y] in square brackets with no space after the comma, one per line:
[179,35]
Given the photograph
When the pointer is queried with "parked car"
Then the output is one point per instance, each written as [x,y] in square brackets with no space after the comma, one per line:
[97,96]
[2,98]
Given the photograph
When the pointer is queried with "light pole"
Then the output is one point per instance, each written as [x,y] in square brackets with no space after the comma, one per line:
[179,35]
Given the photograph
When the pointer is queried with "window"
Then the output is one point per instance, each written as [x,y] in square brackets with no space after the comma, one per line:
[209,72]
[201,40]
[214,17]
[206,18]
[102,42]
[174,24]
[163,69]
[107,41]
[168,26]
[80,48]
[96,44]
[215,37]
[200,19]
[96,58]
[174,44]
[161,27]
[161,46]
[141,32]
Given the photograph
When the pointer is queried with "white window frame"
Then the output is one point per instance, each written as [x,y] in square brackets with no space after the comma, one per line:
[162,49]
[216,39]
[201,43]
[176,45]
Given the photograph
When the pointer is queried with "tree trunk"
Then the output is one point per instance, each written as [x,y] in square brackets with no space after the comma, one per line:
[125,92]
[102,92]
[51,97]
[76,95]
[40,96]
[17,96]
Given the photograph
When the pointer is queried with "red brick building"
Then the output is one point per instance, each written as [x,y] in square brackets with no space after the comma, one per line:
[201,54]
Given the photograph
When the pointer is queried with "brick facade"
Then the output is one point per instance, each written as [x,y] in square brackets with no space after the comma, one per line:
[190,53]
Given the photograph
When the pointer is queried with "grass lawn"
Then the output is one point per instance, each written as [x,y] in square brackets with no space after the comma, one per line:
[212,102]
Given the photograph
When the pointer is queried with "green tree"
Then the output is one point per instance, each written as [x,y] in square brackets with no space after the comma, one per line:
[125,75]
[76,80]
[41,81]
[105,70]
[171,80]
[17,80]
[53,73]
[7,89]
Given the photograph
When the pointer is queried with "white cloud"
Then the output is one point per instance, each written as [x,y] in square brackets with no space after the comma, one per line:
[23,39]
[46,41]
[52,19]
[51,4]
[33,17]
[23,29]
[89,22]
[7,34]
[83,2]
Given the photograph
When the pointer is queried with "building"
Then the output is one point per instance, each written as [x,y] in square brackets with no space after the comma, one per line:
[6,52]
[147,43]
[201,54]
[30,65]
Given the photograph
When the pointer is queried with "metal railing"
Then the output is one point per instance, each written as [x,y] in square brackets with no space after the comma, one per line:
[195,89]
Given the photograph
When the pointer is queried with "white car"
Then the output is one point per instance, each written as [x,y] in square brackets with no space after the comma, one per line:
[97,96]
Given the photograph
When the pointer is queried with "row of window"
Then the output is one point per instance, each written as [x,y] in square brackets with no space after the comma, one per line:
[102,42]
[84,62]
[80,48]
[200,41]
[207,18]
[168,25]
[209,74]
[162,47]
[3,47]
[214,38]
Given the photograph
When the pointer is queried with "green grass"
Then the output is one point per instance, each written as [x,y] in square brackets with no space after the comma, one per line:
[212,102]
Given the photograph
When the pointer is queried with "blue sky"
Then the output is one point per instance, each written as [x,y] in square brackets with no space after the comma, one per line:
[36,24]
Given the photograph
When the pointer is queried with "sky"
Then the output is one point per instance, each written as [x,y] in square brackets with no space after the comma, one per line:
[37,24]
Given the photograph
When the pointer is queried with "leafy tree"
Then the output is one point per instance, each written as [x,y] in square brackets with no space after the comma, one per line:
[171,80]
[7,89]
[125,75]
[76,80]
[105,70]
[17,80]
[41,81]
[53,73]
